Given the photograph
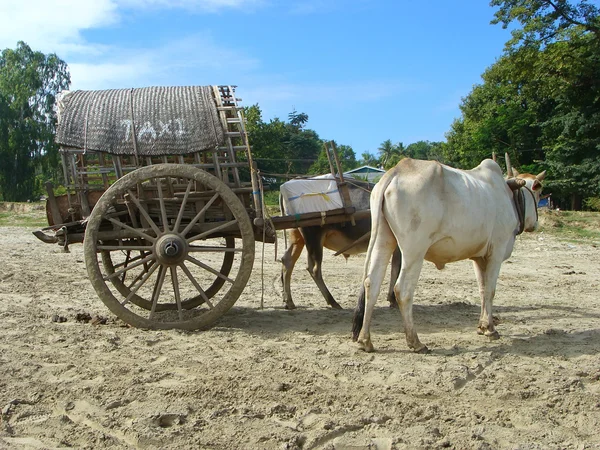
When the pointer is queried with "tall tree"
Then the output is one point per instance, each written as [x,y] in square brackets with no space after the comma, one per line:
[540,100]
[282,147]
[544,21]
[424,150]
[368,159]
[29,84]
[390,154]
[346,156]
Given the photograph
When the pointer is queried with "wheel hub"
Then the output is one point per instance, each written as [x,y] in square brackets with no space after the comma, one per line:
[171,249]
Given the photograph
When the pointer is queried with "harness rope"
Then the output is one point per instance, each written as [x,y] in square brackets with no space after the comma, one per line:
[519,199]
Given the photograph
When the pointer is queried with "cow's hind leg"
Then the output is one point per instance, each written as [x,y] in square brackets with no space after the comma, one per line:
[378,257]
[288,261]
[405,290]
[486,271]
[359,314]
[395,272]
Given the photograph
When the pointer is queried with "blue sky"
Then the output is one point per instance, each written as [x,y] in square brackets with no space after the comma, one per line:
[364,71]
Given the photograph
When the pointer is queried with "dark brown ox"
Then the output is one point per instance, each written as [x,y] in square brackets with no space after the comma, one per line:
[337,237]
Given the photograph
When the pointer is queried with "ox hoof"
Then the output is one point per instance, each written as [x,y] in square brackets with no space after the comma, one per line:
[366,346]
[493,335]
[335,305]
[422,350]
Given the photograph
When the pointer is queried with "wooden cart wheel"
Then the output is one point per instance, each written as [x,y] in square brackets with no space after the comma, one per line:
[160,241]
[130,257]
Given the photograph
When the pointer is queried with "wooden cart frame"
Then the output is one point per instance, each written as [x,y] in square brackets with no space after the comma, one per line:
[169,240]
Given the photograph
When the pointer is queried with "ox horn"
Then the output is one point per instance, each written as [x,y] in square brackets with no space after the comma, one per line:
[540,176]
[515,183]
[509,171]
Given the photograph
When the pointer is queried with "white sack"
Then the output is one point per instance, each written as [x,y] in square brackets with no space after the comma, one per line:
[310,195]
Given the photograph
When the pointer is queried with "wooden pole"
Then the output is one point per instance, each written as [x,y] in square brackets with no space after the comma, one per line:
[329,159]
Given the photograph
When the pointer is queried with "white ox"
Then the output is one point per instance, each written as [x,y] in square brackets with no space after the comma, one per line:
[436,213]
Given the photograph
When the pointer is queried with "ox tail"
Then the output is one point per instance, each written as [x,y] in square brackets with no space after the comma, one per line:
[377,216]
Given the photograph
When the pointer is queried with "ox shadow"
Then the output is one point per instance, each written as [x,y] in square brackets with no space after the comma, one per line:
[429,319]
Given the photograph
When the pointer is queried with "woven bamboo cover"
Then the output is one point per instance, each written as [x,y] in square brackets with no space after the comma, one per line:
[166,120]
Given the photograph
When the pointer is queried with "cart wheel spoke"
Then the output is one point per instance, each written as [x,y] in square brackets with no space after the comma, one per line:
[208,268]
[142,254]
[142,280]
[132,266]
[199,215]
[143,212]
[182,207]
[197,286]
[175,281]
[207,249]
[127,248]
[163,209]
[137,232]
[162,271]
[212,231]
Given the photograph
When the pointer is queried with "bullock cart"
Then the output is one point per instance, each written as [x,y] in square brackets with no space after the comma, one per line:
[162,191]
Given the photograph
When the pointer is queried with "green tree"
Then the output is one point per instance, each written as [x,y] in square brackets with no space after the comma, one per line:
[29,84]
[544,21]
[539,101]
[424,150]
[282,147]
[390,154]
[346,156]
[368,159]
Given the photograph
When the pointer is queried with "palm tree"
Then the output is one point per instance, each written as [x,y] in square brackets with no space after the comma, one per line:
[386,150]
[368,159]
[390,154]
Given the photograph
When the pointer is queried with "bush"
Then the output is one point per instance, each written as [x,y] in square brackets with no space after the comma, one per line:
[592,203]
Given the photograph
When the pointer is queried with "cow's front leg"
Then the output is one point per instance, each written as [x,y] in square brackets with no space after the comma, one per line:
[486,271]
[314,268]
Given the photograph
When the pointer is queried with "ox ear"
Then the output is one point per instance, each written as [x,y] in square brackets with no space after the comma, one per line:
[540,176]
[515,172]
[536,186]
[515,183]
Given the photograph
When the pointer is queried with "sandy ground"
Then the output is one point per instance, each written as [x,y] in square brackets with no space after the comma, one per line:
[277,379]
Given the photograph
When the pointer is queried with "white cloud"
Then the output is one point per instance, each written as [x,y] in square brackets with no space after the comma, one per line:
[53,26]
[56,25]
[109,75]
[196,59]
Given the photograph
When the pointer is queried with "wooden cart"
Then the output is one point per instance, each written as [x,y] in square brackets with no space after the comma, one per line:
[164,195]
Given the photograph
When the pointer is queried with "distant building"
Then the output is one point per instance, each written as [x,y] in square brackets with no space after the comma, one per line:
[372,174]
